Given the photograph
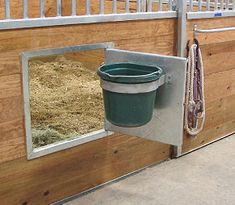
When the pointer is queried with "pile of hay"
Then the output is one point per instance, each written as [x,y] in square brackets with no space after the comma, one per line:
[65,99]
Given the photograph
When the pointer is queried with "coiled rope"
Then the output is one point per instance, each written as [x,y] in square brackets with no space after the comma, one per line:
[195,99]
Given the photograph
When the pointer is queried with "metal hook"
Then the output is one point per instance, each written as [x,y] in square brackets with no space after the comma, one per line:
[195,31]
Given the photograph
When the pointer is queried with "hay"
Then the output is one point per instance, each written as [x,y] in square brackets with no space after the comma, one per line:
[65,99]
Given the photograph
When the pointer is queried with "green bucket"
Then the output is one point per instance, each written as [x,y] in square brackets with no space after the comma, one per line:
[129,92]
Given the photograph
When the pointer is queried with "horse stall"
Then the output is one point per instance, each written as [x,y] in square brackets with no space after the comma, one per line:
[55,142]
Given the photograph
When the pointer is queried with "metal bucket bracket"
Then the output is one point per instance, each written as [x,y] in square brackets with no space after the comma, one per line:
[166,125]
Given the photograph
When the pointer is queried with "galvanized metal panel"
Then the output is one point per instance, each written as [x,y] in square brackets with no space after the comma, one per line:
[166,125]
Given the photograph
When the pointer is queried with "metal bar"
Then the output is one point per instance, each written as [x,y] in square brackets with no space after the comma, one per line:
[42,5]
[114,6]
[88,7]
[210,14]
[170,5]
[199,5]
[127,6]
[74,7]
[191,5]
[208,7]
[143,5]
[196,30]
[227,4]
[25,9]
[150,5]
[216,5]
[70,20]
[138,5]
[182,18]
[7,9]
[58,7]
[160,5]
[101,6]
[222,5]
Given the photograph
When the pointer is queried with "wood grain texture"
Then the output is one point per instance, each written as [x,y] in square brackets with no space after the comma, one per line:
[12,140]
[219,85]
[51,178]
[218,57]
[14,42]
[150,36]
[10,86]
[59,175]
[218,50]
[212,38]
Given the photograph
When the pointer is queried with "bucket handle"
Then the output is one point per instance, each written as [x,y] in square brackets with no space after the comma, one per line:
[159,72]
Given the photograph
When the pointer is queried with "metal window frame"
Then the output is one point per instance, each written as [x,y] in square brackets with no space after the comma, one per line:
[33,153]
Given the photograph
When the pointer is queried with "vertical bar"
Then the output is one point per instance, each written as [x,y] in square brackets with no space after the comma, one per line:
[182,38]
[199,5]
[170,5]
[143,6]
[138,5]
[114,6]
[233,4]
[227,4]
[25,9]
[160,5]
[150,2]
[127,6]
[181,44]
[7,9]
[101,6]
[216,5]
[87,7]
[74,7]
[191,5]
[208,5]
[58,7]
[42,13]
[222,5]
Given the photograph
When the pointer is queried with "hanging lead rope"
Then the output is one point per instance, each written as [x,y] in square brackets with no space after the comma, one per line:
[195,101]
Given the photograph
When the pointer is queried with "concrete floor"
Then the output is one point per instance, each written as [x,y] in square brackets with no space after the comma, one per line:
[206,176]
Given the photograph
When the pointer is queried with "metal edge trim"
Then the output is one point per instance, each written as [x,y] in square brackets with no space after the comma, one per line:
[55,147]
[69,20]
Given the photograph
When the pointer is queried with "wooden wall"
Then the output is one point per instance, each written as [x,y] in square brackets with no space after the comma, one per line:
[59,175]
[218,51]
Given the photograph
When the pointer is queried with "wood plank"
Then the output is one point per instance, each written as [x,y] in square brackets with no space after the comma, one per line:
[11,108]
[220,111]
[210,24]
[208,135]
[52,37]
[220,121]
[12,140]
[219,85]
[150,45]
[77,169]
[9,67]
[218,57]
[149,36]
[10,86]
